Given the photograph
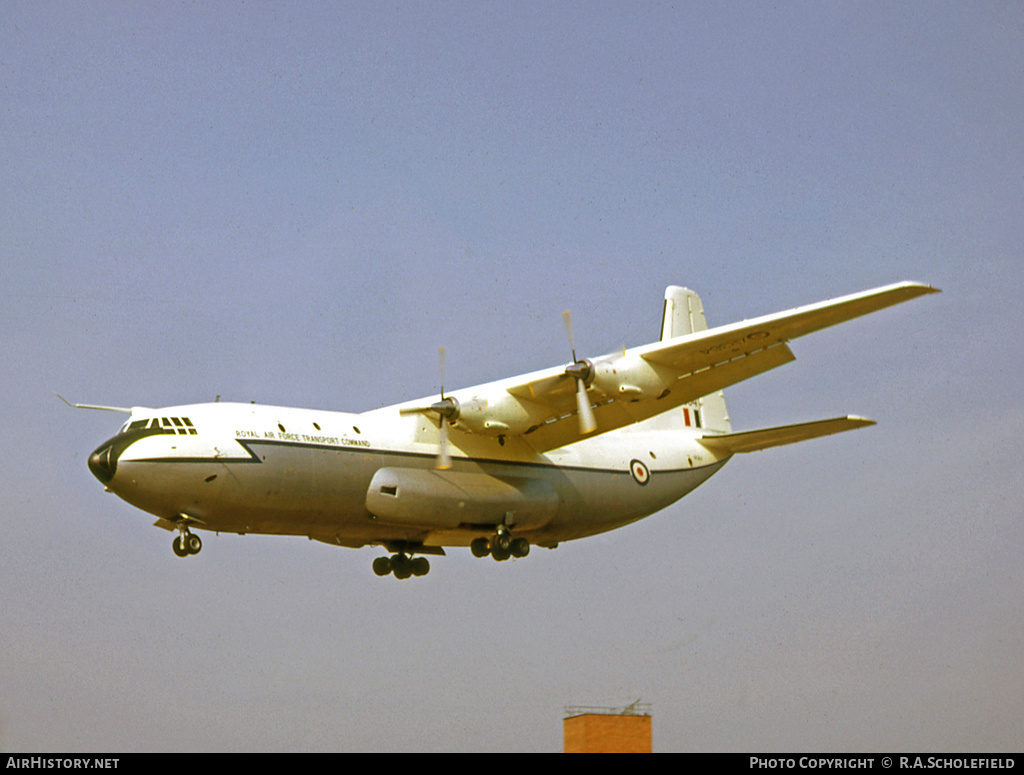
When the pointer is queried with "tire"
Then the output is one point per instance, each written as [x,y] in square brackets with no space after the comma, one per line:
[480,547]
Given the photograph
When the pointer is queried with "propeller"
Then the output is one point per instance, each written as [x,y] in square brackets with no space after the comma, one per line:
[447,410]
[580,370]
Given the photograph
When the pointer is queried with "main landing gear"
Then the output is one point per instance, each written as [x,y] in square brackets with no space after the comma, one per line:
[402,565]
[500,546]
[187,543]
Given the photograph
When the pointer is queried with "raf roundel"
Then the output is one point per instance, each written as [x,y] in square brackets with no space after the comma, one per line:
[639,471]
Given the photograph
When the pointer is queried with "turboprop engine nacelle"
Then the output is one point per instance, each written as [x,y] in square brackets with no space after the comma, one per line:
[498,415]
[631,378]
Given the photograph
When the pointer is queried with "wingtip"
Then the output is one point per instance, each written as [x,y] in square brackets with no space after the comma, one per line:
[861,421]
[922,288]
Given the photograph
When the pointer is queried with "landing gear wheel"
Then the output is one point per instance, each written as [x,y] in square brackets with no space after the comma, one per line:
[500,554]
[501,546]
[186,542]
[480,547]
[401,566]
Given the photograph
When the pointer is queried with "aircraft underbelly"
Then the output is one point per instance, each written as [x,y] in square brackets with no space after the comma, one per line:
[604,501]
[323,492]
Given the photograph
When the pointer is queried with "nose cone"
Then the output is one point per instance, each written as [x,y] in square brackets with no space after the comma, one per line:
[103,462]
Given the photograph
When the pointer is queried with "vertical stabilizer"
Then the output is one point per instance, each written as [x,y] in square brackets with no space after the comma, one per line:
[684,315]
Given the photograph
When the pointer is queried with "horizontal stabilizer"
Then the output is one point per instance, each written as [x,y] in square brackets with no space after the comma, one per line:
[751,441]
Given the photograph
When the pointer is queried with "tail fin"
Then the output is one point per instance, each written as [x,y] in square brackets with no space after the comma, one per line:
[683,315]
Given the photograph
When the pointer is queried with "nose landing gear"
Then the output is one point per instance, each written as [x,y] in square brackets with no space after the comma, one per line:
[187,543]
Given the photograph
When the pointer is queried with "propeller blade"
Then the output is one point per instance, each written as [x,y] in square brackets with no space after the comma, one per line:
[440,360]
[567,316]
[588,423]
[447,409]
[444,459]
[581,371]
[416,410]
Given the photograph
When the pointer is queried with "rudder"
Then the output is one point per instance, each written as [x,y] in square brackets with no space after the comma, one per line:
[683,314]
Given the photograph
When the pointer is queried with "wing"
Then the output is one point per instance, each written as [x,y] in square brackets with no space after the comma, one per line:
[635,384]
[707,347]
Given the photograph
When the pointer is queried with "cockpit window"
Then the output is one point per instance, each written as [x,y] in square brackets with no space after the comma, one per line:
[181,426]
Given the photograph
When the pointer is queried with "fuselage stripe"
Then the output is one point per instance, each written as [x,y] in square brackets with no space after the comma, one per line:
[255,458]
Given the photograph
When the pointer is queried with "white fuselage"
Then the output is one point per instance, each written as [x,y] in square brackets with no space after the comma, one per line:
[246,468]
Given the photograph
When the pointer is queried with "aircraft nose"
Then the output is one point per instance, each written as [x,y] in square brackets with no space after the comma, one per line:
[103,462]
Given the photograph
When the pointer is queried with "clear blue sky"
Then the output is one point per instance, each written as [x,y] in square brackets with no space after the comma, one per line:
[298,203]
